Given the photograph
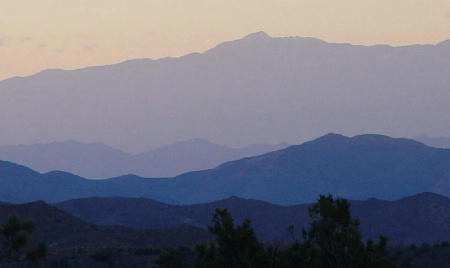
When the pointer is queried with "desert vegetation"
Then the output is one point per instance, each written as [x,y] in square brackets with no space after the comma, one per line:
[332,239]
[15,242]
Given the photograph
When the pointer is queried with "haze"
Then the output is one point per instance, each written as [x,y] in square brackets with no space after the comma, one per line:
[258,89]
[43,34]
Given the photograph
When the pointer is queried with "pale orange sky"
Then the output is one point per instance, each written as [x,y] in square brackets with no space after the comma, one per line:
[69,34]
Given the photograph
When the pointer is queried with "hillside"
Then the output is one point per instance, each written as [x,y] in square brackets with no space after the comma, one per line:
[360,167]
[61,230]
[357,168]
[415,219]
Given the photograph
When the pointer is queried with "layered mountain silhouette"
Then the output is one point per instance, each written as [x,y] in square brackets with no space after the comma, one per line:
[256,89]
[62,230]
[437,142]
[100,222]
[414,219]
[365,166]
[97,160]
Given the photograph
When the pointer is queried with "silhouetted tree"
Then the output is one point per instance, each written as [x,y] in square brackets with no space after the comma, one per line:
[235,246]
[334,240]
[169,259]
[334,233]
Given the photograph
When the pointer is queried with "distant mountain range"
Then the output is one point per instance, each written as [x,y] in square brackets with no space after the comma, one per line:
[97,160]
[415,219]
[437,142]
[256,89]
[365,166]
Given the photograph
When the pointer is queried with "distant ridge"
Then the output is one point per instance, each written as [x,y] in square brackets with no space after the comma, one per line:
[257,35]
[437,142]
[254,89]
[99,161]
[357,168]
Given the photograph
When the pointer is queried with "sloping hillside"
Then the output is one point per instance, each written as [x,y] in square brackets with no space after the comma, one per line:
[416,219]
[59,229]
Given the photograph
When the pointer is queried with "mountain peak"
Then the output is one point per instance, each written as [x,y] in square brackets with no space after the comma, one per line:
[444,43]
[331,137]
[257,35]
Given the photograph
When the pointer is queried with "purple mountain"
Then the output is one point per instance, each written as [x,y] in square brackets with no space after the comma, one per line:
[97,160]
[256,89]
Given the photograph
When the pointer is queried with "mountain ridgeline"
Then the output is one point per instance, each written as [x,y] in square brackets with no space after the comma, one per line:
[109,221]
[357,168]
[97,160]
[255,89]
[62,230]
[415,219]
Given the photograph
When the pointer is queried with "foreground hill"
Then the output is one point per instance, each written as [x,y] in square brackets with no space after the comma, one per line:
[59,229]
[97,160]
[280,89]
[416,219]
[366,166]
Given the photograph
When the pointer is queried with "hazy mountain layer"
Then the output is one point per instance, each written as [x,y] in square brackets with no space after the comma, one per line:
[256,89]
[96,160]
[438,142]
[356,168]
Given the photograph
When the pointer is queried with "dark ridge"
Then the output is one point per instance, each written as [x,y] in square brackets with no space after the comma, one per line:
[415,219]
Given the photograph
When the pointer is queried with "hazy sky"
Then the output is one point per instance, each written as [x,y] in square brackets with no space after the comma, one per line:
[69,34]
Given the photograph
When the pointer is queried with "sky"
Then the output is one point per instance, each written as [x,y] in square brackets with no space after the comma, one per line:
[68,34]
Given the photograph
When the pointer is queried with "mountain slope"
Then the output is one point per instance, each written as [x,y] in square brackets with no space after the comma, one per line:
[62,230]
[366,166]
[196,154]
[356,168]
[93,160]
[415,219]
[438,142]
[15,181]
[96,160]
[279,89]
